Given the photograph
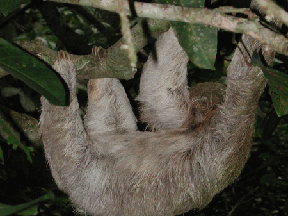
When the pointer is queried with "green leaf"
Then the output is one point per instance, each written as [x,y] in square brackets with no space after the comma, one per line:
[8,209]
[33,210]
[199,41]
[12,139]
[7,6]
[278,85]
[33,72]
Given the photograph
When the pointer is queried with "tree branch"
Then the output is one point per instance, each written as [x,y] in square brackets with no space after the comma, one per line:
[127,35]
[212,17]
[115,65]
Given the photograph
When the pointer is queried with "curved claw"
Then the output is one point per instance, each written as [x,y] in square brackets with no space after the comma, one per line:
[61,55]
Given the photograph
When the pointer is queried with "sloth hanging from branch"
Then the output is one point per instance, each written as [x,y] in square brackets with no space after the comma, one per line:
[199,141]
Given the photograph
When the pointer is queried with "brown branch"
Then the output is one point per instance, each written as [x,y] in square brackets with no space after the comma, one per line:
[212,17]
[115,65]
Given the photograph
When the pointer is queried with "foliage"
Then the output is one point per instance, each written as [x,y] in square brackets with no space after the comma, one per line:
[8,6]
[262,187]
[198,40]
[33,72]
[30,208]
[278,86]
[13,139]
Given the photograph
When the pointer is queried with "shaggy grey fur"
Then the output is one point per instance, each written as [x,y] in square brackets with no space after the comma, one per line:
[107,167]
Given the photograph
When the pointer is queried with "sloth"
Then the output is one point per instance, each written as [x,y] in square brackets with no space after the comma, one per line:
[198,143]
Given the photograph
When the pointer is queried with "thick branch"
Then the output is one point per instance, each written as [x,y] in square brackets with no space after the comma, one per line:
[206,16]
[115,65]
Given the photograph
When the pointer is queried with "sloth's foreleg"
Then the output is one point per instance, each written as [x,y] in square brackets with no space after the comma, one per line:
[235,119]
[63,134]
[164,94]
[108,108]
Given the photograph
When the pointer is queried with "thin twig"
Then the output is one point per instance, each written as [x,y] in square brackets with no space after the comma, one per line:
[126,33]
